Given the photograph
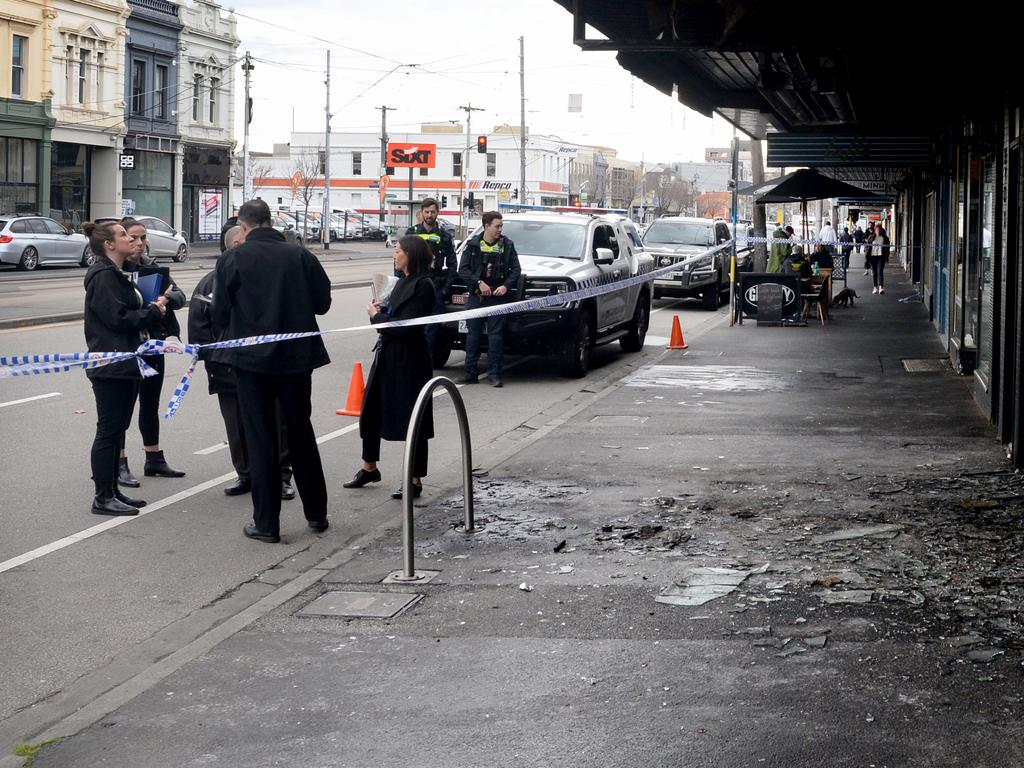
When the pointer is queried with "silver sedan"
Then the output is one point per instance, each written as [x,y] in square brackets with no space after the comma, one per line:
[163,242]
[29,241]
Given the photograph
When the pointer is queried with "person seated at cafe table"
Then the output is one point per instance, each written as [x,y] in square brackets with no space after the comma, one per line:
[822,257]
[797,264]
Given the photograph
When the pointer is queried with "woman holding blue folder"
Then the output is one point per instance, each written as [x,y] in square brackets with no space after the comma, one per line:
[116,320]
[152,282]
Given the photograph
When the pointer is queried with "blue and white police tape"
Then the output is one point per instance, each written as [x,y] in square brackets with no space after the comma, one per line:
[796,241]
[39,364]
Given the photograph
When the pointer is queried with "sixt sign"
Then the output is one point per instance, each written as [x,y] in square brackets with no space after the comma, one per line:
[402,155]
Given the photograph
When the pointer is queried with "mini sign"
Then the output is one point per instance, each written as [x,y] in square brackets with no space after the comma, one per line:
[401,155]
[127,162]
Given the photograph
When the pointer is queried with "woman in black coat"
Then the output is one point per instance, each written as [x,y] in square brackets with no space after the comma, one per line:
[151,386]
[401,366]
[115,321]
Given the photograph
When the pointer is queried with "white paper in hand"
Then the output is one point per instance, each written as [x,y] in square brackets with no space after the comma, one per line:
[382,285]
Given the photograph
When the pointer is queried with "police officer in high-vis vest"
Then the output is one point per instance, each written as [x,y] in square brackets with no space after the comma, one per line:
[444,267]
[490,269]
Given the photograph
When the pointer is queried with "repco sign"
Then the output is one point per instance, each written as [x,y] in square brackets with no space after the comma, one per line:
[412,155]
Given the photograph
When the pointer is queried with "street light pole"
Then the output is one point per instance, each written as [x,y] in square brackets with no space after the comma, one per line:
[463,179]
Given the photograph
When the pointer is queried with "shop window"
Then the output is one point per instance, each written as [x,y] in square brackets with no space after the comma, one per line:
[69,74]
[492,164]
[357,163]
[18,175]
[456,164]
[138,87]
[19,53]
[99,80]
[160,93]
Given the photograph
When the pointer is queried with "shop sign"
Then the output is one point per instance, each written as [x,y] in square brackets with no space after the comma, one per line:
[403,155]
[211,212]
[127,206]
[126,162]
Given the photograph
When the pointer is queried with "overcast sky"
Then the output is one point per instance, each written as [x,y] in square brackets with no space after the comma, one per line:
[468,52]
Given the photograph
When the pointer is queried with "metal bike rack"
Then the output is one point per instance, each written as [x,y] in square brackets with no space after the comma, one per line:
[425,396]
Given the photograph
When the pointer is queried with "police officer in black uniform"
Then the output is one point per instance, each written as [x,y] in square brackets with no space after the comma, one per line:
[490,269]
[444,266]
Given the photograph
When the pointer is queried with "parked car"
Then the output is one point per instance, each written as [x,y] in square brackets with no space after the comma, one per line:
[162,240]
[673,239]
[560,252]
[29,241]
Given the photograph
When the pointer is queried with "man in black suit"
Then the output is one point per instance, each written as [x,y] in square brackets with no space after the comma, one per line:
[266,286]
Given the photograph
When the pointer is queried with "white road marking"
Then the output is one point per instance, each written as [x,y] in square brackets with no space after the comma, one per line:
[113,522]
[30,399]
[671,304]
[211,449]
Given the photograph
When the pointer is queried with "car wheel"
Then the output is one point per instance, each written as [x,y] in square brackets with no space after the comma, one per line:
[636,331]
[29,259]
[710,296]
[88,257]
[182,254]
[576,354]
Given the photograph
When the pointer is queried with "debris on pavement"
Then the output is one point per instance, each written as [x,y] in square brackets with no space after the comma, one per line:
[849,597]
[985,656]
[704,584]
[871,531]
[526,587]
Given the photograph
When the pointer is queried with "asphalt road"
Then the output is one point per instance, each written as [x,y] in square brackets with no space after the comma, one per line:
[57,292]
[69,606]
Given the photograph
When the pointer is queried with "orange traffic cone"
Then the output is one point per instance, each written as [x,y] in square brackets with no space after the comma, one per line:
[354,401]
[676,342]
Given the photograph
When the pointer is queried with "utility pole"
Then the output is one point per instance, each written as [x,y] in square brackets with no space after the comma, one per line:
[383,158]
[643,191]
[247,67]
[325,224]
[469,110]
[735,182]
[522,123]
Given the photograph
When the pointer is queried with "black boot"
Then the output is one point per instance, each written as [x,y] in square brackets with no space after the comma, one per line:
[137,503]
[157,467]
[106,503]
[124,475]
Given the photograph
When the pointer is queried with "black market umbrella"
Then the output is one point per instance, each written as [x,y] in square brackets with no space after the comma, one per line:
[807,184]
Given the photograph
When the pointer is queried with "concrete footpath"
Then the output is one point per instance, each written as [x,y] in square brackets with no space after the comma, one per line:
[778,548]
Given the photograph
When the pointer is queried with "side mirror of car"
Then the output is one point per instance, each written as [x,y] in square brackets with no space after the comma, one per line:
[603,256]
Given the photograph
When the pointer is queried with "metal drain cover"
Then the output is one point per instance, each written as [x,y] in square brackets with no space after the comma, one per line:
[360,605]
[925,365]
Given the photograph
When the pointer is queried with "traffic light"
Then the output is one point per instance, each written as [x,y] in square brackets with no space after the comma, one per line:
[481,144]
[515,193]
[444,201]
[470,202]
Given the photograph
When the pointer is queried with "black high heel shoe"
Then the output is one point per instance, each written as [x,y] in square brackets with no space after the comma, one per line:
[362,478]
[417,490]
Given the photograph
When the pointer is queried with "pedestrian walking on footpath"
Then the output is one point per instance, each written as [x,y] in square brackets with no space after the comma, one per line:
[491,271]
[779,251]
[444,266]
[846,241]
[222,383]
[878,256]
[150,388]
[266,286]
[828,238]
[401,367]
[116,320]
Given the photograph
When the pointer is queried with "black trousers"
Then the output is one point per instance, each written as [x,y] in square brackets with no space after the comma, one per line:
[115,399]
[258,396]
[371,453]
[232,414]
[149,401]
[877,270]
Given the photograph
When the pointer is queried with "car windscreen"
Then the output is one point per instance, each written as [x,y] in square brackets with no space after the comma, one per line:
[548,239]
[3,223]
[679,233]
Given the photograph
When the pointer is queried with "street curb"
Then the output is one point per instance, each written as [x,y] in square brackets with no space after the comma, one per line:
[69,317]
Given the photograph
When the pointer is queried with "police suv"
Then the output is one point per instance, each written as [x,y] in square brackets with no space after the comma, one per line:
[673,239]
[560,253]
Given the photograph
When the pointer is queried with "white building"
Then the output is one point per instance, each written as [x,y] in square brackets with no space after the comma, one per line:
[87,49]
[206,116]
[492,178]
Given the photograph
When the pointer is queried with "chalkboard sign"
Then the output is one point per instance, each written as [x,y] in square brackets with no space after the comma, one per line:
[750,288]
[769,304]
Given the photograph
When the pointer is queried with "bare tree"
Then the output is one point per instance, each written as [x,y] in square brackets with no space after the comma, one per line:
[259,172]
[308,168]
[675,196]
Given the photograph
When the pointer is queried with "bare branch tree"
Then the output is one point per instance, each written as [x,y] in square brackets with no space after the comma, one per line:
[308,168]
[260,172]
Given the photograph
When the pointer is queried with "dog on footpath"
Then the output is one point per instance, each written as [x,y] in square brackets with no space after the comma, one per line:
[845,298]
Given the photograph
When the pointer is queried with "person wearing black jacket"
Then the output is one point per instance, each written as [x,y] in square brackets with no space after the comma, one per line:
[221,379]
[115,321]
[878,255]
[490,269]
[443,268]
[267,286]
[151,386]
[401,366]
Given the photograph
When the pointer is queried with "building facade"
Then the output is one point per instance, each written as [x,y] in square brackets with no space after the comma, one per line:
[86,61]
[25,116]
[151,176]
[206,114]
